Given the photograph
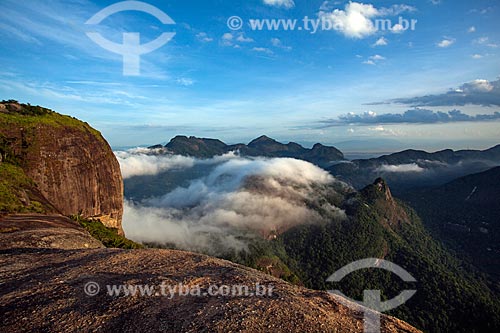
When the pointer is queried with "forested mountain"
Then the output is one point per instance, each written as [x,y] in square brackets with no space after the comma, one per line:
[465,215]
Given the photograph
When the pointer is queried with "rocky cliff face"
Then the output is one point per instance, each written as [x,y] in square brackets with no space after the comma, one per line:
[70,162]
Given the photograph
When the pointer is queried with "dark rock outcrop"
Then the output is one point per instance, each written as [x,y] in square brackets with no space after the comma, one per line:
[44,231]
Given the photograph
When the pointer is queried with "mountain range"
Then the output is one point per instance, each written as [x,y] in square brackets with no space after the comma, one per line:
[416,168]
[262,146]
[402,170]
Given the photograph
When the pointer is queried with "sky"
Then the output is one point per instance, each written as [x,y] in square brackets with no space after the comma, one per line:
[357,74]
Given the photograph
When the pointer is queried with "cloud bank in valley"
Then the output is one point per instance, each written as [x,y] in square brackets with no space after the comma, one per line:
[400,168]
[144,161]
[138,164]
[238,199]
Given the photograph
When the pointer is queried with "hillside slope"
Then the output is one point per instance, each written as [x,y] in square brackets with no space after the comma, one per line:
[465,214]
[44,231]
[449,298]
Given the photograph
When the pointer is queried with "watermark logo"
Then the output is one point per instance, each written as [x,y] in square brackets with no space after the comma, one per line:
[314,25]
[131,49]
[169,291]
[91,288]
[371,298]
[235,23]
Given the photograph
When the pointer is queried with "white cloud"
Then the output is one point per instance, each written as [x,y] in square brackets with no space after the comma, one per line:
[236,197]
[479,85]
[446,42]
[413,167]
[227,39]
[355,21]
[397,29]
[227,36]
[481,11]
[137,162]
[373,60]
[276,42]
[377,57]
[280,3]
[381,42]
[184,81]
[485,41]
[243,39]
[377,128]
[396,10]
[145,161]
[262,50]
[202,36]
[476,56]
[472,29]
[481,40]
[13,31]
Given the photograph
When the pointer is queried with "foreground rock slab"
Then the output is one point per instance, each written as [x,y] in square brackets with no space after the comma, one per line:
[43,290]
[44,231]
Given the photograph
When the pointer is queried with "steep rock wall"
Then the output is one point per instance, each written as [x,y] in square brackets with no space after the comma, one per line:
[70,162]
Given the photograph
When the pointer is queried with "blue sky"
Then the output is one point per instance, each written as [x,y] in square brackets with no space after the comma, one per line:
[432,87]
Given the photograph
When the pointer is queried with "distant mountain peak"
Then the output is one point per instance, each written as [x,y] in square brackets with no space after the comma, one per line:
[261,140]
[378,197]
[381,186]
[317,145]
[378,190]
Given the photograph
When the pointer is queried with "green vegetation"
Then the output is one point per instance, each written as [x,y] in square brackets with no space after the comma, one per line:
[108,236]
[16,191]
[29,116]
[450,296]
[464,214]
[269,257]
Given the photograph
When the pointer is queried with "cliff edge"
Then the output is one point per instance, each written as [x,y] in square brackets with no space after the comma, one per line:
[55,163]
